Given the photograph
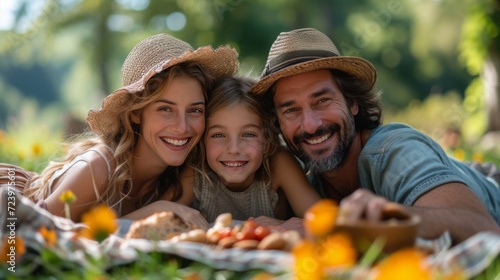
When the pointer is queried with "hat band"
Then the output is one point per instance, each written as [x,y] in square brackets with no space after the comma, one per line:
[295,57]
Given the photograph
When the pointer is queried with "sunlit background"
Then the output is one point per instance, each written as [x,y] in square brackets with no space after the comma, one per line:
[438,61]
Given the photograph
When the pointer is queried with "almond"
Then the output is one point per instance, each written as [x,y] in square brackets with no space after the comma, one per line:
[292,238]
[273,241]
[246,244]
[212,236]
[227,242]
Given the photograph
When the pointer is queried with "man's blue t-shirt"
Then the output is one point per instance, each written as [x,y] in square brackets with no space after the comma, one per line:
[401,164]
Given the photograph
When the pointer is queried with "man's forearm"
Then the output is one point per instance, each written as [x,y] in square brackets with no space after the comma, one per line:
[460,223]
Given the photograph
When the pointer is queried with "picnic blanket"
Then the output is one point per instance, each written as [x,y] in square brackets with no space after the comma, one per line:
[19,217]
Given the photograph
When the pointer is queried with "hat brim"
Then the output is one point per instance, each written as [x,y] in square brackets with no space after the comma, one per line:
[221,62]
[358,67]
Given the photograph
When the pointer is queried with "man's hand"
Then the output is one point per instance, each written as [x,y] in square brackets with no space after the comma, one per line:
[364,205]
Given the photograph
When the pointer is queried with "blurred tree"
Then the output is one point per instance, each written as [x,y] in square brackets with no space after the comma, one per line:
[411,43]
[480,52]
[392,34]
[415,55]
[100,41]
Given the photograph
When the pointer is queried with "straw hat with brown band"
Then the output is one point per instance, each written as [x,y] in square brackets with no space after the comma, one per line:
[149,57]
[305,50]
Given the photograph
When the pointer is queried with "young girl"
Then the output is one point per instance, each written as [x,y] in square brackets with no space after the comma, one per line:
[244,172]
[142,132]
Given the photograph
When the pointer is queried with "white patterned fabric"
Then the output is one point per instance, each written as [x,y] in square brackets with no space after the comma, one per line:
[215,199]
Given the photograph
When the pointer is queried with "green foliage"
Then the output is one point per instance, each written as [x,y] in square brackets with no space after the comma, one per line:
[480,39]
[478,32]
[433,116]
[154,265]
[491,272]
[412,43]
[27,145]
[474,106]
[437,115]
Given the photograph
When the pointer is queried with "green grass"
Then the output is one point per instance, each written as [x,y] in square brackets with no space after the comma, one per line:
[492,272]
[148,266]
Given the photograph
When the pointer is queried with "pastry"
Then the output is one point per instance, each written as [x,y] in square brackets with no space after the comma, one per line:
[159,226]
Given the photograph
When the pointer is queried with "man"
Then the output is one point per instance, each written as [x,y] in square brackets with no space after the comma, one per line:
[330,116]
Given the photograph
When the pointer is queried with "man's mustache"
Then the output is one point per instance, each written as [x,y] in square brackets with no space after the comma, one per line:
[333,128]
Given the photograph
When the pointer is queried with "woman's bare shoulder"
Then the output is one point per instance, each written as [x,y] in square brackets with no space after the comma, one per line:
[100,156]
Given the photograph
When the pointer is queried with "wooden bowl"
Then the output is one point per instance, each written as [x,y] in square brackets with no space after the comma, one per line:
[397,228]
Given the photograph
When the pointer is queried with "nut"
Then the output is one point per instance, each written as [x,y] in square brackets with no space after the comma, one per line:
[273,241]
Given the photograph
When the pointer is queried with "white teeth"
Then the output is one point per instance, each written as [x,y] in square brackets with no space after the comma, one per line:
[319,140]
[233,164]
[175,142]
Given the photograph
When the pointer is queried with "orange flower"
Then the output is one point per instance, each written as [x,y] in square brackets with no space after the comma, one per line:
[477,157]
[459,154]
[67,197]
[36,149]
[307,265]
[337,250]
[319,219]
[408,264]
[49,236]
[12,247]
[100,221]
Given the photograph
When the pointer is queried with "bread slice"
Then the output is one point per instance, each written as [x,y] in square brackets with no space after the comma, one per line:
[159,226]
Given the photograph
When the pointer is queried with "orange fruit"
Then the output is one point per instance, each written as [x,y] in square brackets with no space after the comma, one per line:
[408,264]
[319,219]
[307,265]
[337,250]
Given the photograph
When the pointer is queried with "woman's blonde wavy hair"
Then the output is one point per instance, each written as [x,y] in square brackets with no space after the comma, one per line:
[229,92]
[122,143]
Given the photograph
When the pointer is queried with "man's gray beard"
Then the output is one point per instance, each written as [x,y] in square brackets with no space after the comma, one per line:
[337,157]
[329,163]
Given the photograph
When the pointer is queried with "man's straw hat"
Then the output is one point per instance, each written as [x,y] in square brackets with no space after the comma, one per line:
[305,50]
[149,57]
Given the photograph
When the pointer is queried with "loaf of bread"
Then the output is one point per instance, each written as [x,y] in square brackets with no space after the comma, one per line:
[159,226]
